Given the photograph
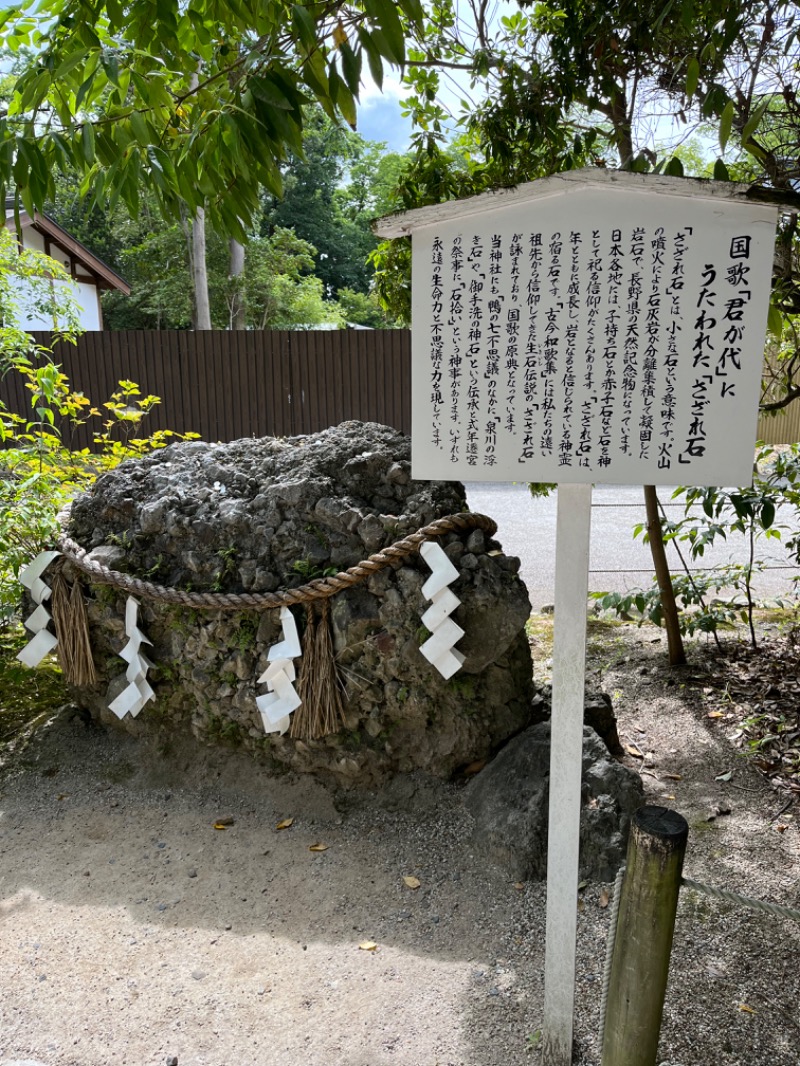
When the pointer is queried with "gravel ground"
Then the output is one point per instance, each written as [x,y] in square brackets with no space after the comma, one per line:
[134,932]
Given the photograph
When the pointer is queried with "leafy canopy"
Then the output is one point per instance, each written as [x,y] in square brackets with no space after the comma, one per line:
[200,101]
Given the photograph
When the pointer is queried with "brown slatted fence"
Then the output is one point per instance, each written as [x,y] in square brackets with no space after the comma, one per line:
[227,385]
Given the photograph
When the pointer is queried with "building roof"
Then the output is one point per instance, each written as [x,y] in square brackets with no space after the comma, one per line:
[620,181]
[100,272]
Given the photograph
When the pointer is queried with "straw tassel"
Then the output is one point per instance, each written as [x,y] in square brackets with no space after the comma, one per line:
[322,709]
[71,621]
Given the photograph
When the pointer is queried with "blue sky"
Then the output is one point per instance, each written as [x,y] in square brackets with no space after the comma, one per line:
[379,117]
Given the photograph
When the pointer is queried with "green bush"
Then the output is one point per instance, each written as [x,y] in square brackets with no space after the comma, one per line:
[39,470]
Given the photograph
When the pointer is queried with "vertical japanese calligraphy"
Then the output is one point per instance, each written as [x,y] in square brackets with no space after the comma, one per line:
[591,340]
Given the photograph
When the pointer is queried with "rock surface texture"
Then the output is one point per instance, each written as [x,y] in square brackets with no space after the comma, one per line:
[262,515]
[509,802]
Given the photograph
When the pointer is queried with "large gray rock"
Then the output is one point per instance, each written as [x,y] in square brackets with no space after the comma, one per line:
[509,801]
[259,515]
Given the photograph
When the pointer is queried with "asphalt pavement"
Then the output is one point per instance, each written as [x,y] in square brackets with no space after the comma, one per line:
[618,563]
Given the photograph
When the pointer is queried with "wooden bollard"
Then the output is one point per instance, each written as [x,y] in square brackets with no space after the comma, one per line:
[640,963]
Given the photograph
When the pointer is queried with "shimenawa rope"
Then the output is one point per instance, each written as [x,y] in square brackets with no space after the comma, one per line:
[318,589]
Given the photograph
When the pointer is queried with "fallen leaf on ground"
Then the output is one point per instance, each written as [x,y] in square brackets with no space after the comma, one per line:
[715,714]
[669,797]
[285,823]
[724,777]
[673,777]
[519,886]
[744,1007]
[781,828]
[604,897]
[319,847]
[634,751]
[412,882]
[368,945]
[220,825]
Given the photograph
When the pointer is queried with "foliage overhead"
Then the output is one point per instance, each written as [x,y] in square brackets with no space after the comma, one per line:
[201,102]
[559,85]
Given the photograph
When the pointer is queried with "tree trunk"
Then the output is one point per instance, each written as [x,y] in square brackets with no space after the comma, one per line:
[238,318]
[202,307]
[677,655]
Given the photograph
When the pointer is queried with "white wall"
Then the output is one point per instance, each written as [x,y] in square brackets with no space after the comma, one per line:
[85,295]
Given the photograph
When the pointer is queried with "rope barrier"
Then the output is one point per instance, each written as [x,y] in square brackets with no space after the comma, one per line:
[318,589]
[610,942]
[775,909]
[743,901]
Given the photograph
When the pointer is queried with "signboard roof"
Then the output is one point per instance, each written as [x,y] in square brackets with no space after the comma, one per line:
[621,181]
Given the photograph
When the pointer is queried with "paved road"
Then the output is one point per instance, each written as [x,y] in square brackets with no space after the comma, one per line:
[527,528]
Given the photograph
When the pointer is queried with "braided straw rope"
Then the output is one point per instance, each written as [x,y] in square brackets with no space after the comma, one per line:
[319,589]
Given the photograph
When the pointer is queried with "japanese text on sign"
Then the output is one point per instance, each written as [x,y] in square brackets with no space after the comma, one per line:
[582,340]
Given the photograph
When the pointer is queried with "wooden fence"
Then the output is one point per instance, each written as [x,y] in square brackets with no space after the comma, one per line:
[227,385]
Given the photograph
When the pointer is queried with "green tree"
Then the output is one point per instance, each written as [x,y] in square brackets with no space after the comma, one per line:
[327,201]
[201,102]
[364,309]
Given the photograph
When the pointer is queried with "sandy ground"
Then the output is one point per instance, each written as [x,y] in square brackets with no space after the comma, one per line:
[134,933]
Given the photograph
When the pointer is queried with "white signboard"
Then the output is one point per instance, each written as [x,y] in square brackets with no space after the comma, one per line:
[600,336]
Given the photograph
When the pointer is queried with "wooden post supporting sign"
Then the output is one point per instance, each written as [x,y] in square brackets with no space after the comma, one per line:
[646,922]
[566,749]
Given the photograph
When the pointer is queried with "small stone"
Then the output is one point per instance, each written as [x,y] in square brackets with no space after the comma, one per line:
[192,873]
[172,1060]
[198,975]
[161,907]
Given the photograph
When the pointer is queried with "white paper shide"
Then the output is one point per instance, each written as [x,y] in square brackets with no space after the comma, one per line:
[277,704]
[439,649]
[137,692]
[43,641]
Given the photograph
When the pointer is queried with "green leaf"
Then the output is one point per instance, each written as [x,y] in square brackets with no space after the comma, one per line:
[69,64]
[755,118]
[767,514]
[390,39]
[373,56]
[692,76]
[304,26]
[725,123]
[351,67]
[271,92]
[721,171]
[111,67]
[87,142]
[343,98]
[775,322]
[139,128]
[674,167]
[85,88]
